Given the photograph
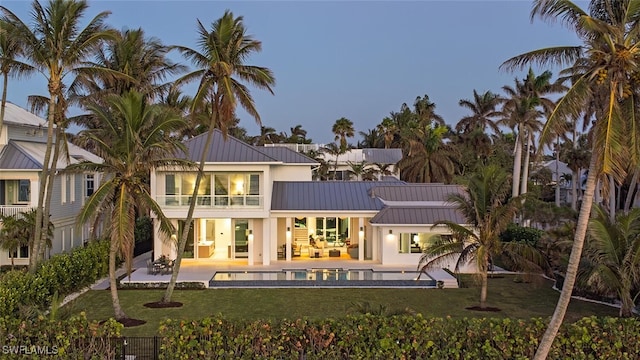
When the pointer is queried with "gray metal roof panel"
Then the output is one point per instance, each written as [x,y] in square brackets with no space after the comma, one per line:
[326,195]
[417,216]
[417,192]
[13,158]
[382,156]
[286,155]
[14,114]
[229,150]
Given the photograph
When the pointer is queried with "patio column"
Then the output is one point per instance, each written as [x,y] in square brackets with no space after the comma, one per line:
[288,239]
[361,239]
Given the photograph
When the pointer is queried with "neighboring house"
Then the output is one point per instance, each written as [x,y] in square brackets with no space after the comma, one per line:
[260,205]
[561,175]
[376,159]
[22,149]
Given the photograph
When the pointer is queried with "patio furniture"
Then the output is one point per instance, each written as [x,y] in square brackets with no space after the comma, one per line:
[281,254]
[334,253]
[150,267]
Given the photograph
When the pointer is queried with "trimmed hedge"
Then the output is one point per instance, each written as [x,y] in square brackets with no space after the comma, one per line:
[75,338]
[65,273]
[517,233]
[396,337]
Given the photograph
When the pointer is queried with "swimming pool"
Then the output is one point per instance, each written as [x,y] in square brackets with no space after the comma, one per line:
[321,278]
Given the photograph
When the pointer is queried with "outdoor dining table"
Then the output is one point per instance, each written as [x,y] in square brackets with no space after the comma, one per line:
[163,266]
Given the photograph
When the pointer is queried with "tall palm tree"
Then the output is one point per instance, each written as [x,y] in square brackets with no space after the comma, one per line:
[488,210]
[483,113]
[135,138]
[370,139]
[58,48]
[608,58]
[335,150]
[221,71]
[136,62]
[11,50]
[613,256]
[343,129]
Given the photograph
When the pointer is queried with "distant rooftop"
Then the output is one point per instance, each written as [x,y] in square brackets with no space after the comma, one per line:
[14,114]
[370,155]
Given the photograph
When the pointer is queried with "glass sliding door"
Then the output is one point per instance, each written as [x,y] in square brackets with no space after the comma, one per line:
[188,249]
[241,238]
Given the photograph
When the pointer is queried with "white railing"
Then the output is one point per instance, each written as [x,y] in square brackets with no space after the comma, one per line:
[13,210]
[298,147]
[213,201]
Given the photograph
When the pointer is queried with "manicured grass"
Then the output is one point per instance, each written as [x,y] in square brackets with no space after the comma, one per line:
[516,300]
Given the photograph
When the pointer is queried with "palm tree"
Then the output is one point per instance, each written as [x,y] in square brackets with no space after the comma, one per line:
[57,47]
[333,149]
[613,256]
[424,111]
[488,210]
[298,135]
[221,69]
[607,59]
[370,139]
[10,50]
[135,138]
[135,61]
[388,128]
[343,129]
[483,112]
[429,158]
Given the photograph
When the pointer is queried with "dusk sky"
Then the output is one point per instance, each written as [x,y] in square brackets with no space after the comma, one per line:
[359,59]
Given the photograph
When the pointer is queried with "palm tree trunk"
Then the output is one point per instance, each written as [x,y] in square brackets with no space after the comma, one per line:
[483,289]
[572,267]
[525,166]
[632,190]
[185,230]
[47,201]
[574,189]
[612,198]
[5,78]
[43,181]
[557,194]
[113,286]
[517,165]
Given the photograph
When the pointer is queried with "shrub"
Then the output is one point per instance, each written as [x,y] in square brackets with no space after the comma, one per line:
[143,231]
[395,337]
[75,338]
[517,233]
[64,273]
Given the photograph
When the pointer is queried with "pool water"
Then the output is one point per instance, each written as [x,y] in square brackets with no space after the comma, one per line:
[321,278]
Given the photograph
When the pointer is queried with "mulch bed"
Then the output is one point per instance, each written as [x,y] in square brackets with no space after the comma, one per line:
[163,305]
[128,322]
[487,309]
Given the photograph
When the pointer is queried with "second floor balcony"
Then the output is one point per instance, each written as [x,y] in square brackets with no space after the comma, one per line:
[213,201]
[13,210]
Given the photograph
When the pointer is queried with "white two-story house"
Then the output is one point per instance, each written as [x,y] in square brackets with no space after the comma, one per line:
[22,148]
[259,205]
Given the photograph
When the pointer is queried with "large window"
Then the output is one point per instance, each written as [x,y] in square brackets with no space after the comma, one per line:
[89,186]
[20,253]
[415,242]
[15,192]
[229,189]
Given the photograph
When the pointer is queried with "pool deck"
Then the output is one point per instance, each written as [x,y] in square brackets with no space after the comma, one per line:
[200,271]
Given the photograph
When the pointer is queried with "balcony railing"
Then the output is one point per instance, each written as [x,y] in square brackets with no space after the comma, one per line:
[13,210]
[213,201]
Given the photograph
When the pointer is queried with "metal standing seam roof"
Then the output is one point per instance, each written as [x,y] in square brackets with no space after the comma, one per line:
[14,114]
[416,192]
[286,155]
[232,150]
[12,158]
[326,195]
[417,216]
[26,155]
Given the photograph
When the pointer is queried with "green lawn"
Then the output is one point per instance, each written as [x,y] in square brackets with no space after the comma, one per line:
[516,300]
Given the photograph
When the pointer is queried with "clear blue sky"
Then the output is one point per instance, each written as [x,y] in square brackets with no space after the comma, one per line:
[359,59]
